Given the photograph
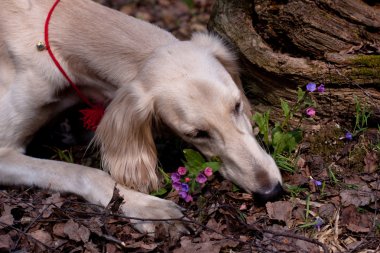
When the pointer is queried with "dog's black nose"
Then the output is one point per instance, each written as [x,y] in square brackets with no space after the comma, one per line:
[270,195]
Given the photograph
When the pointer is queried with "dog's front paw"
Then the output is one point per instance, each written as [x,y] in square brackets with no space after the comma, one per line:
[152,214]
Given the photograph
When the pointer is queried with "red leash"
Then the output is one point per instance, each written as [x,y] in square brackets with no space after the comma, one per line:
[91,116]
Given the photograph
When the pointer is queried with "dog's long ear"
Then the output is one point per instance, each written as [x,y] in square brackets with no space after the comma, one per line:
[225,56]
[126,142]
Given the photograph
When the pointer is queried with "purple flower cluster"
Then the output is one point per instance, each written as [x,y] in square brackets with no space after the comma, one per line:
[180,182]
[182,187]
[202,177]
[311,87]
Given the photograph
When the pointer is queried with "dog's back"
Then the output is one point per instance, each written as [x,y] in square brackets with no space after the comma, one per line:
[85,46]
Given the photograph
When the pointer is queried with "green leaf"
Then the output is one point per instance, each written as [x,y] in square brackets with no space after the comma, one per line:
[159,192]
[235,188]
[300,95]
[166,177]
[285,108]
[307,225]
[262,121]
[189,3]
[213,165]
[278,142]
[283,142]
[193,158]
[259,120]
[297,134]
[284,163]
[291,143]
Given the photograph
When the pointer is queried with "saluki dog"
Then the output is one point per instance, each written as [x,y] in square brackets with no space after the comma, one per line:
[146,77]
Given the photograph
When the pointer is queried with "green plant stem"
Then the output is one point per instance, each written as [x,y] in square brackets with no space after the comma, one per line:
[307,207]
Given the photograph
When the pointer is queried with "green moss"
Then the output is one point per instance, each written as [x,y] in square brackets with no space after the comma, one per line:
[369,61]
[367,66]
[367,72]
[356,157]
[326,141]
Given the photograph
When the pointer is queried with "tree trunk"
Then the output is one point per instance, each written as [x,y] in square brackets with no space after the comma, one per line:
[288,43]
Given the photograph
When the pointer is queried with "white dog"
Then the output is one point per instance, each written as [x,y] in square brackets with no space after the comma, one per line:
[147,76]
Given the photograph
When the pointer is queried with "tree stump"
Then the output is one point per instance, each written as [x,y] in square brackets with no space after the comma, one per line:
[285,44]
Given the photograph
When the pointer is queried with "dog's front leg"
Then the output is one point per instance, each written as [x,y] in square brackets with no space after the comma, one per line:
[94,185]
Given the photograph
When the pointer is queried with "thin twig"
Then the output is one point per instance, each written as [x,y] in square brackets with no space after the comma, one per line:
[31,224]
[286,234]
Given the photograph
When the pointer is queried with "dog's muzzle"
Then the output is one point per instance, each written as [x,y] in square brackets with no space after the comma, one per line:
[270,195]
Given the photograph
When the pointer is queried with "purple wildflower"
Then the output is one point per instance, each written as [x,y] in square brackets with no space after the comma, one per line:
[348,136]
[201,178]
[175,177]
[183,194]
[188,198]
[311,87]
[177,186]
[315,182]
[185,187]
[321,88]
[182,171]
[208,172]
[318,223]
[310,112]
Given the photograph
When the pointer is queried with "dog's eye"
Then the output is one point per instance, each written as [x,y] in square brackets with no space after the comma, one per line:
[198,134]
[201,134]
[237,108]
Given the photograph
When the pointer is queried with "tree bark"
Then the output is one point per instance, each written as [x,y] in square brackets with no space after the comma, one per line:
[283,44]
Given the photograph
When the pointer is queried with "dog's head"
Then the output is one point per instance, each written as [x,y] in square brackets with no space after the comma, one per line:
[194,88]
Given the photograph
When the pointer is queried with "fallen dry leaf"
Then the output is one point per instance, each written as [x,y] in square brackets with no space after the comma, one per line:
[142,245]
[375,185]
[361,197]
[208,235]
[355,221]
[371,162]
[91,248]
[5,243]
[280,210]
[76,232]
[307,246]
[351,242]
[94,225]
[327,211]
[212,223]
[301,163]
[243,207]
[281,244]
[187,246]
[42,236]
[55,200]
[58,230]
[6,217]
[111,248]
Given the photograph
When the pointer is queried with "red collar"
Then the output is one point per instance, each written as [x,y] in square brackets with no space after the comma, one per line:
[91,116]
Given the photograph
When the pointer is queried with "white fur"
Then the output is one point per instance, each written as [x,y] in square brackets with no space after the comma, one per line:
[146,75]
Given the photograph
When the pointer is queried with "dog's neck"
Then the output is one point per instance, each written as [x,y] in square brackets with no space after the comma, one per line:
[82,39]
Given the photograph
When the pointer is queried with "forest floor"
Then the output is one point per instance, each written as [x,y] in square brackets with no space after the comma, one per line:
[331,202]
